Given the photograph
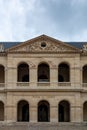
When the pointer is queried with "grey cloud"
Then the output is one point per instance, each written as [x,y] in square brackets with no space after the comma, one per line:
[59,18]
[62,19]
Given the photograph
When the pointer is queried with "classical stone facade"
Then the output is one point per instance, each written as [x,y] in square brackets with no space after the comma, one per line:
[43,80]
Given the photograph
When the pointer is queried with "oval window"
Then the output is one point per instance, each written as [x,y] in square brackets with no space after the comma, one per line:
[43,44]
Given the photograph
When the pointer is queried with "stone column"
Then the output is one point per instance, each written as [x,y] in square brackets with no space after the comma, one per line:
[76,73]
[5,70]
[33,77]
[11,77]
[72,76]
[76,114]
[76,109]
[10,109]
[33,114]
[53,113]
[10,113]
[54,76]
[81,76]
[14,114]
[79,114]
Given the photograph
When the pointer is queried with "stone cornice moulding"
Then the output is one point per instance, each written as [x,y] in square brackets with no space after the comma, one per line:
[43,44]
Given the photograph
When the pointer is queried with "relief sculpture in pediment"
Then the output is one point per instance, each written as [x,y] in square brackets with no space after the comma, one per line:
[36,47]
[44,44]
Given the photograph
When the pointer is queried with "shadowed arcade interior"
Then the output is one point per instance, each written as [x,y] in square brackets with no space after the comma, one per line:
[43,111]
[23,72]
[23,111]
[63,73]
[64,111]
[43,73]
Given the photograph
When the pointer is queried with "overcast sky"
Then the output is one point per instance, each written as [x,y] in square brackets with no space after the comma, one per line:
[21,20]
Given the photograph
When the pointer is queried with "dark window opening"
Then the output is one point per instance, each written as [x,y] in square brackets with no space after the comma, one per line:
[25,78]
[85,111]
[64,73]
[64,111]
[43,44]
[23,73]
[43,112]
[60,78]
[84,76]
[23,111]
[43,73]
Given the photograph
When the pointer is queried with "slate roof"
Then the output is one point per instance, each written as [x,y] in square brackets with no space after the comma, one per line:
[76,44]
[11,44]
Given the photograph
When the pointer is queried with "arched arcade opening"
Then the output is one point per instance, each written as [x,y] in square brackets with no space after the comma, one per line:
[23,111]
[43,111]
[23,72]
[64,111]
[43,72]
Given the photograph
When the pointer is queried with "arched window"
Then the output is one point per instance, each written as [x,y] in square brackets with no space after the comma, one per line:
[64,111]
[85,111]
[84,75]
[2,74]
[23,72]
[43,111]
[43,73]
[63,73]
[23,111]
[1,111]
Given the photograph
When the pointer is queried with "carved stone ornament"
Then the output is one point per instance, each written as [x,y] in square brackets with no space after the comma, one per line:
[1,48]
[52,64]
[85,47]
[32,65]
[42,46]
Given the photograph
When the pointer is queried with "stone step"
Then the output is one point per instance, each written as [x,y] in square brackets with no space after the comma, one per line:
[43,126]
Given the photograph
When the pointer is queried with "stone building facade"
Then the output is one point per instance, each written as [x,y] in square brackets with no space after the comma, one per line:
[43,80]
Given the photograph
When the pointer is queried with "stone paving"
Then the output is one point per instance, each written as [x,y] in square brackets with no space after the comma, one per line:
[43,126]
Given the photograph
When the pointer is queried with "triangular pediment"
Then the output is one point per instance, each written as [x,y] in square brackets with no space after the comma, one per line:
[41,44]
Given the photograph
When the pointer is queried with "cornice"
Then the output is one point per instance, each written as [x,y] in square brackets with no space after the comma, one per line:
[43,90]
[3,54]
[35,46]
